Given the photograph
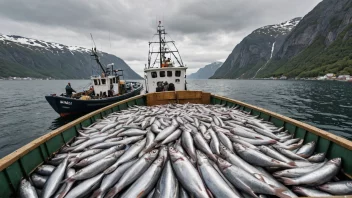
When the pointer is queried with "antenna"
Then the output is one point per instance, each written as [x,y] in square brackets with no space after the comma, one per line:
[91,36]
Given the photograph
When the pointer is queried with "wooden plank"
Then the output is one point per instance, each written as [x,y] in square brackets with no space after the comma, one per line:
[189,95]
[14,156]
[205,98]
[334,138]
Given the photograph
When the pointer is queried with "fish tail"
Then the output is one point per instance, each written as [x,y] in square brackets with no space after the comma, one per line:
[70,179]
[112,192]
[97,193]
[292,163]
[280,193]
[288,181]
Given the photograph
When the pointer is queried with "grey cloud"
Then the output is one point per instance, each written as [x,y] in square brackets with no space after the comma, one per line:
[204,30]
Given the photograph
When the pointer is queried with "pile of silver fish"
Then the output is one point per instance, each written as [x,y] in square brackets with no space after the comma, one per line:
[189,150]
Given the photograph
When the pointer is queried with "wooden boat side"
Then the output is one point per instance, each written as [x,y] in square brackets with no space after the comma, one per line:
[26,159]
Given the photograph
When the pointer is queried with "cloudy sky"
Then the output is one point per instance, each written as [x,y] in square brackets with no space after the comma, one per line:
[204,30]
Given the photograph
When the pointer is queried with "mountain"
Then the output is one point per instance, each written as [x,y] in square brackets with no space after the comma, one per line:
[255,50]
[22,57]
[321,43]
[206,72]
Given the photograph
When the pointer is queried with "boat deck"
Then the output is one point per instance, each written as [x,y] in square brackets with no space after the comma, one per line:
[25,160]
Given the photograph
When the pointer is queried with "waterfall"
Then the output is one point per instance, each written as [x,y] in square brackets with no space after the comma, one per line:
[271,55]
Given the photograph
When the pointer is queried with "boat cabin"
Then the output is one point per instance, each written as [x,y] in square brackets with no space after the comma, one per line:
[165,70]
[103,85]
[161,77]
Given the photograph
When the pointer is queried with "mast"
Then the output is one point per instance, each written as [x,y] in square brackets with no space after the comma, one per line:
[159,31]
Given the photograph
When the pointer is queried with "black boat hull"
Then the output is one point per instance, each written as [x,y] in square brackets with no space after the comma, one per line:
[65,106]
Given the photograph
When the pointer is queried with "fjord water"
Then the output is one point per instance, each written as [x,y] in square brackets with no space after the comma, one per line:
[25,114]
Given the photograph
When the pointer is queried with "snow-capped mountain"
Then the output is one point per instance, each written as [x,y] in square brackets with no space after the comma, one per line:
[20,56]
[282,28]
[255,51]
[35,44]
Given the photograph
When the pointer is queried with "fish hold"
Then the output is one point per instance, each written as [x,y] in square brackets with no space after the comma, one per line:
[306,150]
[309,192]
[317,177]
[27,190]
[337,188]
[187,174]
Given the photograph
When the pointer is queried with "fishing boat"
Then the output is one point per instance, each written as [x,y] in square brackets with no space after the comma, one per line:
[24,161]
[105,89]
[161,73]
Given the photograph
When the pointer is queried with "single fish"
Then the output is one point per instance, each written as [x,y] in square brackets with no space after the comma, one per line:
[168,183]
[212,178]
[246,182]
[27,190]
[66,186]
[187,174]
[318,176]
[188,144]
[309,192]
[257,158]
[306,150]
[53,182]
[39,180]
[45,170]
[337,188]
[85,187]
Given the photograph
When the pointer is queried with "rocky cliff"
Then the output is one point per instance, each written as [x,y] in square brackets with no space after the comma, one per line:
[26,57]
[255,50]
[206,72]
[321,43]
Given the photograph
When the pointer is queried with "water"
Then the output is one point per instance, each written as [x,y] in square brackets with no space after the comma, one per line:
[25,114]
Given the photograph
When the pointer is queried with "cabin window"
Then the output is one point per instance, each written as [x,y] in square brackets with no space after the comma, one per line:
[114,80]
[169,73]
[177,80]
[95,82]
[103,81]
[162,73]
[178,73]
[110,81]
[154,75]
